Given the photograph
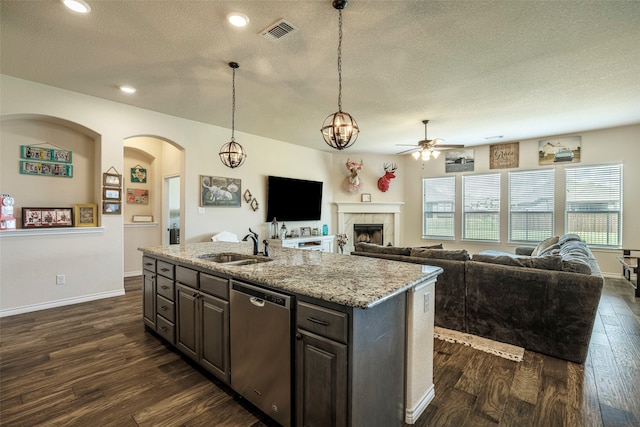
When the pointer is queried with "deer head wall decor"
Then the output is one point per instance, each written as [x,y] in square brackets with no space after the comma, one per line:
[389,174]
[352,183]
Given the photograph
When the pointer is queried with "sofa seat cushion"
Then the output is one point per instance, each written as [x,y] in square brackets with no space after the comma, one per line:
[551,262]
[390,250]
[450,254]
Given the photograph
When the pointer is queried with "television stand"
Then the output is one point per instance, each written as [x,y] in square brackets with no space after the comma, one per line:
[309,243]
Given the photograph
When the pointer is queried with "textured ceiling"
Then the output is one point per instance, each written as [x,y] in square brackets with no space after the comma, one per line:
[476,69]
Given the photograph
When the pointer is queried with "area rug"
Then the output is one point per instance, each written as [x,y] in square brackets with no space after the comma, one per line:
[501,349]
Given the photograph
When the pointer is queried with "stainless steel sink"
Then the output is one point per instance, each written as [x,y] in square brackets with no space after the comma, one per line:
[233,259]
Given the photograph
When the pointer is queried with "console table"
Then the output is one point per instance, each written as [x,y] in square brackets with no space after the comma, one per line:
[629,261]
[310,243]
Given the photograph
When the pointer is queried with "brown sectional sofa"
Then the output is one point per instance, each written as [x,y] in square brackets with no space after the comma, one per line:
[545,302]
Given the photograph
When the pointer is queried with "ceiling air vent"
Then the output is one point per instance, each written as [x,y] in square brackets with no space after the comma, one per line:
[278,30]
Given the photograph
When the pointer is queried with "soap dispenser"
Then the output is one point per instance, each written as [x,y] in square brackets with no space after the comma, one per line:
[283,231]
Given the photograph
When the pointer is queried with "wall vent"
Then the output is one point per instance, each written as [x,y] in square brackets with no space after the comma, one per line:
[278,30]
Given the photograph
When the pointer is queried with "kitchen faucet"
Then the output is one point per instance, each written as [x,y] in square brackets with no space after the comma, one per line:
[256,245]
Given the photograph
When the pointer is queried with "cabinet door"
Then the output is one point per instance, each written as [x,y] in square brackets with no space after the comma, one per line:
[186,320]
[149,300]
[215,336]
[321,381]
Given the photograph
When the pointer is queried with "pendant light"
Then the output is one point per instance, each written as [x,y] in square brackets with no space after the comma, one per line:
[340,130]
[232,154]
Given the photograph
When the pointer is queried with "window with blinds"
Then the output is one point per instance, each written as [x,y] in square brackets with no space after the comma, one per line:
[481,207]
[531,205]
[438,207]
[594,204]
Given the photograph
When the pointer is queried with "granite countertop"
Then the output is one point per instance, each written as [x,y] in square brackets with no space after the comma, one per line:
[343,279]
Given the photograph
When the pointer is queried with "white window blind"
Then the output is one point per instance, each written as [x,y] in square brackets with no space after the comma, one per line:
[594,204]
[481,201]
[438,207]
[531,205]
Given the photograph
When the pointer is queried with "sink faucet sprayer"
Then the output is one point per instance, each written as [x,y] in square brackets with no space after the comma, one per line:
[256,245]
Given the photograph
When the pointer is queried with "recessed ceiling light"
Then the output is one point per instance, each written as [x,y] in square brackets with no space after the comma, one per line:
[494,137]
[238,19]
[77,6]
[128,89]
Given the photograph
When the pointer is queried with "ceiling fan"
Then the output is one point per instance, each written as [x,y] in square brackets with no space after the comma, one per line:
[428,147]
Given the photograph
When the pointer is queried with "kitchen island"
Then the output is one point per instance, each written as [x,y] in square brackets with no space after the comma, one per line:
[361,328]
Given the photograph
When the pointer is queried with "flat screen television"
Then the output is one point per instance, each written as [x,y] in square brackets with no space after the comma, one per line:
[290,199]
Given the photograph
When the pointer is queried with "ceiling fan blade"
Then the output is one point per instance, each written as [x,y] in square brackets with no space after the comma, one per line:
[410,150]
[408,145]
[447,146]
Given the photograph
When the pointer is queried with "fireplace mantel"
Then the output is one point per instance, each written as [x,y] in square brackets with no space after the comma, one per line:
[391,208]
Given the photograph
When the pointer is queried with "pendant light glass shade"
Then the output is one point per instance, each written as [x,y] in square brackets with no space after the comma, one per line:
[340,129]
[232,154]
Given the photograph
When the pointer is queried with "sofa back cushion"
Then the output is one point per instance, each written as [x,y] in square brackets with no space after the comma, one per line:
[551,262]
[450,254]
[391,250]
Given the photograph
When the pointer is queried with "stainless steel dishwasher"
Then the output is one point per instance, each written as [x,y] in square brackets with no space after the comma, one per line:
[261,349]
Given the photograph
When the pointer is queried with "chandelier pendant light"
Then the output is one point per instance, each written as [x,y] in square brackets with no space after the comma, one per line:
[340,129]
[232,154]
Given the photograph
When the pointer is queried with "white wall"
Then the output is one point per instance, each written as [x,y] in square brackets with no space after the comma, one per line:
[93,263]
[617,145]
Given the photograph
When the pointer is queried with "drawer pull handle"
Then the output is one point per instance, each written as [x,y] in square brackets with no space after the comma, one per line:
[164,269]
[164,329]
[148,263]
[164,308]
[317,321]
[164,287]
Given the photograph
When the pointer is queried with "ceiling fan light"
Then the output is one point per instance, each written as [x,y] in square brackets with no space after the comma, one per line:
[435,154]
[426,155]
[416,155]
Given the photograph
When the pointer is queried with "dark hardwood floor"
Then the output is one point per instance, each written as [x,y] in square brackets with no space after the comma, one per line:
[93,364]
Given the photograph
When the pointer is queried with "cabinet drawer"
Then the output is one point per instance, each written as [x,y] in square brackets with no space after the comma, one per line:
[213,285]
[166,308]
[187,276]
[323,321]
[166,329]
[149,264]
[165,269]
[165,288]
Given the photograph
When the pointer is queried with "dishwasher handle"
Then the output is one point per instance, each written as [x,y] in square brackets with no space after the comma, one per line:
[257,301]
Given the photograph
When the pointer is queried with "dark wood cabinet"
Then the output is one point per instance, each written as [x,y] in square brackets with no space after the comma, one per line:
[321,381]
[203,329]
[149,292]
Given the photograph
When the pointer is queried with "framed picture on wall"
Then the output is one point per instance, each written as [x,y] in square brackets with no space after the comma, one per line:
[111,180]
[85,215]
[138,196]
[112,208]
[111,193]
[47,217]
[219,191]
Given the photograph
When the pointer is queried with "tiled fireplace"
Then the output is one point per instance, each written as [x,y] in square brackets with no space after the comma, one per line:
[368,233]
[385,214]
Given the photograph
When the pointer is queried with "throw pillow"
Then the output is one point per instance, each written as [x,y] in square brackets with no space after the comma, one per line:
[568,238]
[544,245]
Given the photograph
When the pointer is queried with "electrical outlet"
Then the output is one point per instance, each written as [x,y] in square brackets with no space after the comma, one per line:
[60,279]
[200,211]
[427,297]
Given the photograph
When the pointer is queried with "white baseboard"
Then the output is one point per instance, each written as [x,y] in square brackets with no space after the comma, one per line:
[60,303]
[133,273]
[411,415]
